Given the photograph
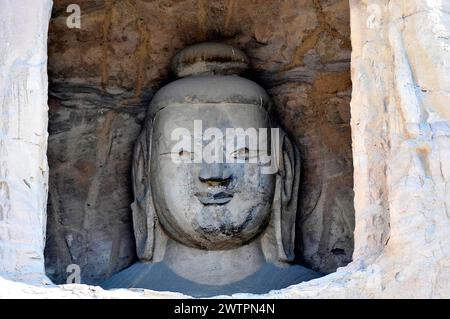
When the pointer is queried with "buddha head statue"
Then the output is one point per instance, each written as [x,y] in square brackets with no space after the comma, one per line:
[214,196]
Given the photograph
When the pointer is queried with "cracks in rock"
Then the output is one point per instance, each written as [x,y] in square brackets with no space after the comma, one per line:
[321,16]
[412,110]
[231,4]
[65,257]
[425,11]
[202,16]
[5,202]
[103,142]
[311,39]
[106,26]
[141,52]
[93,98]
[308,43]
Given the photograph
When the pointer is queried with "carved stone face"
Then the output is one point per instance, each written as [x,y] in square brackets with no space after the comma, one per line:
[209,205]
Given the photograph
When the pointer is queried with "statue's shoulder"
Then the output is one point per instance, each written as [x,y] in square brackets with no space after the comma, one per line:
[131,277]
[272,276]
[157,276]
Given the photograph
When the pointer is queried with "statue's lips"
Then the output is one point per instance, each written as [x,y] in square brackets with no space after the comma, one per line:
[216,198]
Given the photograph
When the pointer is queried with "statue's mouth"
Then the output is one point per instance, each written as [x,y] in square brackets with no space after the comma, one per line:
[214,198]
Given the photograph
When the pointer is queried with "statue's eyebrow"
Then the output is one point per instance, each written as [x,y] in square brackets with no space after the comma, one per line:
[169,153]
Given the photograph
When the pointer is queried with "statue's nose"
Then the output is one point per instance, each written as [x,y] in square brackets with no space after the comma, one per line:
[216,173]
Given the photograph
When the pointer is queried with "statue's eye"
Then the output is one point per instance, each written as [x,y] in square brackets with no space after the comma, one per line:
[184,154]
[242,153]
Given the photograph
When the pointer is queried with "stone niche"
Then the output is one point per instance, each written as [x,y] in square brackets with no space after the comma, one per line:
[400,123]
[103,76]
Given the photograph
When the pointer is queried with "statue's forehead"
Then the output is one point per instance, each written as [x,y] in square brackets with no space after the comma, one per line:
[212,115]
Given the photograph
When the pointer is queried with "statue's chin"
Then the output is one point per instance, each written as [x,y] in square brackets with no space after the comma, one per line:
[216,244]
[216,227]
[219,236]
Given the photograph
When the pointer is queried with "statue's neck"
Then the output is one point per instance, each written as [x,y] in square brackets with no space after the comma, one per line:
[214,267]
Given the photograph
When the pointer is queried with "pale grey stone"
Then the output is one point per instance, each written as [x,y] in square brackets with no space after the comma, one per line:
[212,228]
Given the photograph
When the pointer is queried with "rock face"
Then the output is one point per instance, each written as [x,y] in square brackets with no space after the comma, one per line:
[400,140]
[23,137]
[102,78]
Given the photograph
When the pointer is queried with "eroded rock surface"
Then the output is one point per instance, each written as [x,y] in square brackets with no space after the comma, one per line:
[401,157]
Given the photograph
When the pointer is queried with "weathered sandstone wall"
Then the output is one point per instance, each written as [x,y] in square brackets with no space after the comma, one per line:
[23,136]
[401,154]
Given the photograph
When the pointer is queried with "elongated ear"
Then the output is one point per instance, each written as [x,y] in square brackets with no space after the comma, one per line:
[279,239]
[289,171]
[142,207]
